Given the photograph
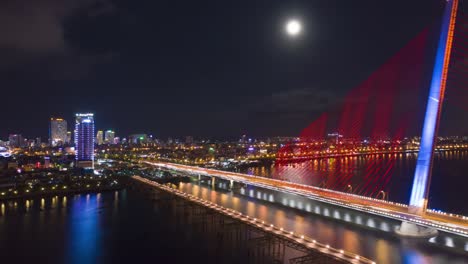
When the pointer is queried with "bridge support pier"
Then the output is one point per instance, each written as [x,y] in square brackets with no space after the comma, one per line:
[213,182]
[408,229]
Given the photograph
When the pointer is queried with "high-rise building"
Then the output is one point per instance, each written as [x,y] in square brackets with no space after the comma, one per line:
[109,136]
[116,140]
[57,131]
[189,140]
[69,137]
[16,140]
[100,137]
[84,140]
[243,139]
[138,138]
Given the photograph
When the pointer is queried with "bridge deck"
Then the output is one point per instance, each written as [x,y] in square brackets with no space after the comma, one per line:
[445,222]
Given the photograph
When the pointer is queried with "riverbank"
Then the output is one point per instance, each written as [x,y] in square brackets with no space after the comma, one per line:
[75,187]
[7,196]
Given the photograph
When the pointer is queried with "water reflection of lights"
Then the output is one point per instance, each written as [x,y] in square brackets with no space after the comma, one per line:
[280,217]
[213,196]
[251,208]
[263,211]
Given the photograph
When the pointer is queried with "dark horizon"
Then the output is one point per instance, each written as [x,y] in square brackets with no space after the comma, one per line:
[204,70]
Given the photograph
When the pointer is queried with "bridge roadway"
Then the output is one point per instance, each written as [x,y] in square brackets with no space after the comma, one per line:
[449,223]
[302,240]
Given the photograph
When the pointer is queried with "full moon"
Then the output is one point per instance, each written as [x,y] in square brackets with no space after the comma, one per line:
[293,27]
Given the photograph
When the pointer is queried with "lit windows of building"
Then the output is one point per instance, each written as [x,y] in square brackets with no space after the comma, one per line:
[84,140]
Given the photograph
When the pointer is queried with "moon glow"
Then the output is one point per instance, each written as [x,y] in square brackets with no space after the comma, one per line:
[293,27]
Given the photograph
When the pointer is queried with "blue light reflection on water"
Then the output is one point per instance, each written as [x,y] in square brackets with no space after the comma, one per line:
[410,257]
[84,238]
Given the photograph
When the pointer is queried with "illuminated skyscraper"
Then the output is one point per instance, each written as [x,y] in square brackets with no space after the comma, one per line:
[100,137]
[109,137]
[139,139]
[57,131]
[69,137]
[16,140]
[84,140]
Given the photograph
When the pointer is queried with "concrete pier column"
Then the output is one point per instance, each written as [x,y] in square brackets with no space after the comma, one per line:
[213,182]
[412,230]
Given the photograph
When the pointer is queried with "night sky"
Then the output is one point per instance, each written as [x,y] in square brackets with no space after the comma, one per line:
[200,68]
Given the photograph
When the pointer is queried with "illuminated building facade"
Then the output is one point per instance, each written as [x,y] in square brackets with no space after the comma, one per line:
[84,140]
[100,137]
[138,138]
[69,137]
[16,140]
[57,131]
[109,137]
[4,152]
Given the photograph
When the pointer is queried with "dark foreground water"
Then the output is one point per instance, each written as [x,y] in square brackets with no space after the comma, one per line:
[120,227]
[126,227]
[383,247]
[392,173]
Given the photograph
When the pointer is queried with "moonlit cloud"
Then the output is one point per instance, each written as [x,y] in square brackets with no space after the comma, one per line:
[37,32]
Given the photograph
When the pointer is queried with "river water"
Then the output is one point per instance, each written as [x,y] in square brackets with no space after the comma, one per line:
[112,227]
[391,173]
[124,226]
[384,248]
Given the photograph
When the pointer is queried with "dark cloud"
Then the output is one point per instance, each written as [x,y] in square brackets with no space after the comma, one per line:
[34,32]
[199,68]
[296,101]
